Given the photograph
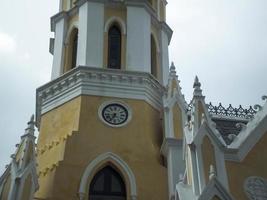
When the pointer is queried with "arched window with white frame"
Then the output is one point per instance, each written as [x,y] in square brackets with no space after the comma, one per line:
[154,63]
[107,184]
[114,47]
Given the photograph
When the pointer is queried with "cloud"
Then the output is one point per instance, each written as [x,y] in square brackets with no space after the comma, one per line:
[7,43]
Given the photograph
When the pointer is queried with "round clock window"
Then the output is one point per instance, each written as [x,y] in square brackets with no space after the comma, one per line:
[114,114]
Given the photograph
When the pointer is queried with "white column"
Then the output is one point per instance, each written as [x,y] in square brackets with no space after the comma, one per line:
[138,39]
[91,31]
[58,59]
[220,168]
[165,57]
[60,5]
[173,150]
[200,168]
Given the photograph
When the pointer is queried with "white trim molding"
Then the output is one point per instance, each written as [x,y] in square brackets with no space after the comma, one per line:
[215,188]
[74,25]
[248,137]
[118,20]
[108,156]
[98,82]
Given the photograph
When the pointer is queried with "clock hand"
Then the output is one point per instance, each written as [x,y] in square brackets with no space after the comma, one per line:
[113,116]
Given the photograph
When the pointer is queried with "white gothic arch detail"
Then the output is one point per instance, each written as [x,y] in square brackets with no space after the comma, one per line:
[109,156]
[113,19]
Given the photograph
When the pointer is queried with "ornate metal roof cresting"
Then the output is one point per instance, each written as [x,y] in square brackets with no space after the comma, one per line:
[240,112]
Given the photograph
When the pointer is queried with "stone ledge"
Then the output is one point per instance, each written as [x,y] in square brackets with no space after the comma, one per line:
[85,80]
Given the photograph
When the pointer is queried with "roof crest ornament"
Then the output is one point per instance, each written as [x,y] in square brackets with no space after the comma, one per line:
[173,71]
[30,128]
[197,88]
[230,111]
[212,172]
[257,107]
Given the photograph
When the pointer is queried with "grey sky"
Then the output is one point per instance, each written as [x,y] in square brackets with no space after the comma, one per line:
[224,42]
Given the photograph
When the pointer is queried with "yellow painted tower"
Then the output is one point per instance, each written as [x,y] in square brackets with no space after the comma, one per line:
[100,116]
[114,124]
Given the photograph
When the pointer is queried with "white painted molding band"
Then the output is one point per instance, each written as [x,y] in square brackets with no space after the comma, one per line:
[98,82]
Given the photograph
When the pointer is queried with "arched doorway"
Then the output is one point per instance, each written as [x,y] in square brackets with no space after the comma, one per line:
[107,184]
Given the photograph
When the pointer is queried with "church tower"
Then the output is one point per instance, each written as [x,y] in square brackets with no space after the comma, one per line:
[100,117]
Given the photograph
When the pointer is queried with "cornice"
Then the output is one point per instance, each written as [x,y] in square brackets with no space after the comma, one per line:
[54,19]
[85,80]
[62,15]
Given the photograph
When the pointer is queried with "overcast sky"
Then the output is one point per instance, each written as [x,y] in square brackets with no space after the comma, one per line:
[224,42]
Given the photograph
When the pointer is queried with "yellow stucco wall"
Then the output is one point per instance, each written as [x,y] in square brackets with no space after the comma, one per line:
[208,155]
[56,127]
[138,144]
[46,184]
[27,188]
[162,11]
[253,165]
[177,122]
[65,5]
[30,153]
[5,191]
[19,152]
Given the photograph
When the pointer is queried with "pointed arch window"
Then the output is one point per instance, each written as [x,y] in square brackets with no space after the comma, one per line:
[74,48]
[114,47]
[153,57]
[107,185]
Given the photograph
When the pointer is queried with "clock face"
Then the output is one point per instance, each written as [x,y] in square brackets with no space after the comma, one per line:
[115,114]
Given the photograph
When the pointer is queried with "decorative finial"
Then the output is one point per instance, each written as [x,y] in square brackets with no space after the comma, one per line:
[30,127]
[258,107]
[172,70]
[203,118]
[197,87]
[231,137]
[197,83]
[212,172]
[264,98]
[241,126]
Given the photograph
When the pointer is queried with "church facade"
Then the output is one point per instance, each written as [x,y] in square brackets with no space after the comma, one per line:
[114,125]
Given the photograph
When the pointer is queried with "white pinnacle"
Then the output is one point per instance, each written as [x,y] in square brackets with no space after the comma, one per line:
[197,87]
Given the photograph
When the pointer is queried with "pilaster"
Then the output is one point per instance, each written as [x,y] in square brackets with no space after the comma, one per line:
[164,56]
[91,34]
[138,39]
[58,59]
[172,149]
